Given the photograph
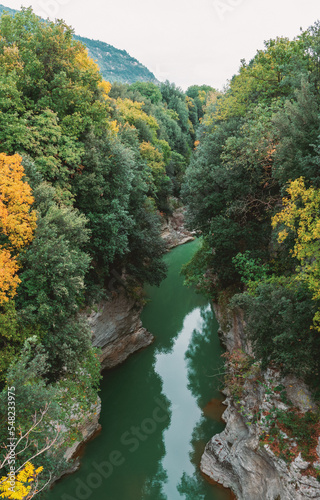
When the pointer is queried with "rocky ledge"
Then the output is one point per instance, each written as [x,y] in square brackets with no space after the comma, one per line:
[243,457]
[173,231]
[117,329]
[88,428]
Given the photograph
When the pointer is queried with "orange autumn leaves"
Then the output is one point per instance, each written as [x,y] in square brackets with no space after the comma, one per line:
[17,222]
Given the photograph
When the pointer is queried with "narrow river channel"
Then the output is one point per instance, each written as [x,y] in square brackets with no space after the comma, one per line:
[160,407]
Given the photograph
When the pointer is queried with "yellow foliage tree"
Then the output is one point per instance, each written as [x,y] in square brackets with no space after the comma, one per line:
[105,87]
[8,275]
[24,485]
[85,63]
[132,112]
[17,221]
[10,59]
[155,162]
[301,214]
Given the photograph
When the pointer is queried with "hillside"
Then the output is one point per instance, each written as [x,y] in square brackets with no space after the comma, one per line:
[2,8]
[115,65]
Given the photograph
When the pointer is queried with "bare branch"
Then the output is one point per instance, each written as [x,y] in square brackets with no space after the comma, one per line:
[46,448]
[43,487]
[26,435]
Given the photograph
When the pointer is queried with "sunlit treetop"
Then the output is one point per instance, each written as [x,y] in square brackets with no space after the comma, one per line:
[301,215]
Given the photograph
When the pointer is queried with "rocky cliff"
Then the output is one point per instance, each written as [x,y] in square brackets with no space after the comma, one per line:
[173,231]
[253,456]
[89,426]
[117,329]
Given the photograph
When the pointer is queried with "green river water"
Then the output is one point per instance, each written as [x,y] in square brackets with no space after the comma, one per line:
[160,407]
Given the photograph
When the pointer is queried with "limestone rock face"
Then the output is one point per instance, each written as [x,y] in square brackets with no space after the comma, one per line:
[173,231]
[235,458]
[117,329]
[232,459]
[231,329]
[89,427]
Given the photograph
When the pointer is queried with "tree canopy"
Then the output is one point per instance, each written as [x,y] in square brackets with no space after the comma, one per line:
[86,173]
[254,174]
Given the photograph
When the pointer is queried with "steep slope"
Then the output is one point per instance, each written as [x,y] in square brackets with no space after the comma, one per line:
[7,9]
[115,65]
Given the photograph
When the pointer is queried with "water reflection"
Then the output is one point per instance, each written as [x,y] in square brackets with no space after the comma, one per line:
[120,462]
[154,486]
[205,367]
[193,488]
[154,428]
[173,371]
[170,303]
[187,381]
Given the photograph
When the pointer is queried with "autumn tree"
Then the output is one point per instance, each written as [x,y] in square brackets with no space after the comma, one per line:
[300,216]
[25,484]
[17,222]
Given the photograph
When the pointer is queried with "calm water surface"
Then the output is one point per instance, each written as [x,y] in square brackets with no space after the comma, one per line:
[160,407]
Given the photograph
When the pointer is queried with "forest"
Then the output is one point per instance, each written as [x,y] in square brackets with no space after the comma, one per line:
[88,169]
[253,193]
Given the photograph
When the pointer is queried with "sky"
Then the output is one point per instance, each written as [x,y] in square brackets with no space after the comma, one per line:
[185,41]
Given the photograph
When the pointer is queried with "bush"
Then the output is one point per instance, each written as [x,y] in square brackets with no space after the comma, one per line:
[279,323]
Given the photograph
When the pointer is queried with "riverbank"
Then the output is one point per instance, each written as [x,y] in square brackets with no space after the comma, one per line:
[157,406]
[117,330]
[256,455]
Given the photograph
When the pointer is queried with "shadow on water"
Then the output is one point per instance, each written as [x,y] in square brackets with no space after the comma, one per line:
[154,429]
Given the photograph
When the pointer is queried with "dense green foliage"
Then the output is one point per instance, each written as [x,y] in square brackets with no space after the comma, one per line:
[255,139]
[51,406]
[280,313]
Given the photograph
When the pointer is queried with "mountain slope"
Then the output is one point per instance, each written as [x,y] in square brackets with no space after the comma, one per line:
[115,65]
[2,8]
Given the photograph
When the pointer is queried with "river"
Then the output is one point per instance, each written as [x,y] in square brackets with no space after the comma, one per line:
[160,407]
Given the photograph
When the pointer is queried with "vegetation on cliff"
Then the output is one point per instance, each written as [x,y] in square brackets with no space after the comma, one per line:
[253,191]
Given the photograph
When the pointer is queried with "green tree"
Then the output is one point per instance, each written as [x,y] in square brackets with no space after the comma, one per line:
[39,413]
[199,94]
[278,318]
[52,281]
[298,126]
[148,90]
